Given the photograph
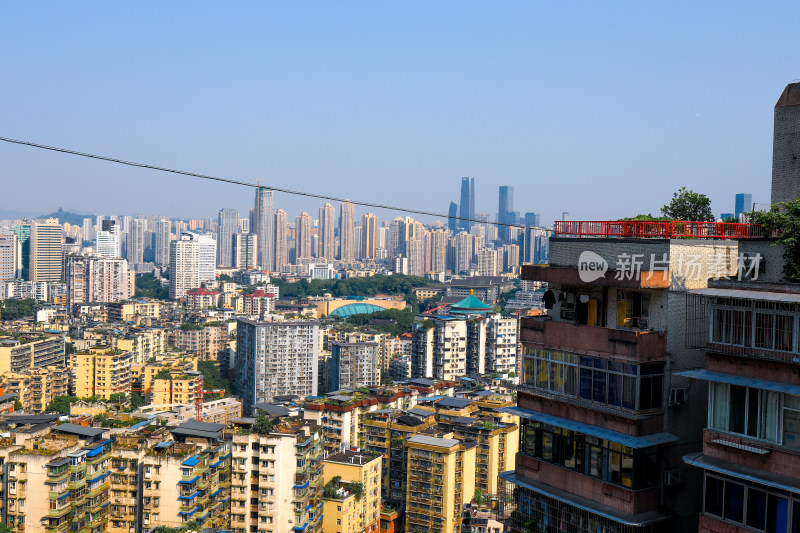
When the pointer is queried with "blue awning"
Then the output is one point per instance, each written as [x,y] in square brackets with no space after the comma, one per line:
[65,495]
[214,493]
[304,485]
[754,475]
[638,520]
[191,461]
[188,513]
[100,477]
[218,463]
[190,496]
[300,528]
[733,379]
[97,450]
[632,441]
[105,505]
[195,478]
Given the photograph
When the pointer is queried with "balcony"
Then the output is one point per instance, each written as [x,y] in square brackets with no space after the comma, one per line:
[639,346]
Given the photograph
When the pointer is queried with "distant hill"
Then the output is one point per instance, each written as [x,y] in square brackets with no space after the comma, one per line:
[66,216]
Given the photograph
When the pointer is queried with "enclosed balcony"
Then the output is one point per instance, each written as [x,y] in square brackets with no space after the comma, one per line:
[631,344]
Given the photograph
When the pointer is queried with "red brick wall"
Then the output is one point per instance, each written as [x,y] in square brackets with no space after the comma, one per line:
[620,498]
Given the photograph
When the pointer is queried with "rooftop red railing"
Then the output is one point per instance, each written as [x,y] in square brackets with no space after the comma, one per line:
[657,229]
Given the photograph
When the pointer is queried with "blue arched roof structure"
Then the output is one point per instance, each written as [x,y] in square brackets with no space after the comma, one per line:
[356,309]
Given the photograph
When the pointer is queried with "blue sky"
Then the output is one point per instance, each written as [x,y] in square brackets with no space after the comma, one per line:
[602,109]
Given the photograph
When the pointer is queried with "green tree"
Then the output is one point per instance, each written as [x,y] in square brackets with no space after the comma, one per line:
[118,398]
[262,426]
[69,348]
[137,400]
[478,497]
[783,222]
[163,374]
[212,377]
[330,488]
[358,490]
[147,285]
[688,205]
[645,218]
[5,529]
[60,404]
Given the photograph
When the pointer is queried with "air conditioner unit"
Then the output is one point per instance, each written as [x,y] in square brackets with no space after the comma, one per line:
[677,396]
[672,478]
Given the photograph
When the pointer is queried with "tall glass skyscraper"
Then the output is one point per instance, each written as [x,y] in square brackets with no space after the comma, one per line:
[467,207]
[505,213]
[452,221]
[744,203]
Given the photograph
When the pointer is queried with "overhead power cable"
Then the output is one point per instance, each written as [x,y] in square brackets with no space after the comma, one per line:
[246,184]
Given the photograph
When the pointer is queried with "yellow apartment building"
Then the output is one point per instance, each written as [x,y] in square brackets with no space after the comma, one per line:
[441,479]
[352,510]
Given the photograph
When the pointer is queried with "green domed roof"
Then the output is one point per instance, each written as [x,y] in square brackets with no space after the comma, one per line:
[470,305]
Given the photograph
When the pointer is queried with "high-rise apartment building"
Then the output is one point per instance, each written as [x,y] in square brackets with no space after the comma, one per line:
[347,511]
[488,262]
[101,373]
[109,240]
[327,233]
[369,236]
[10,252]
[466,209]
[614,418]
[462,256]
[303,237]
[23,233]
[184,270]
[244,249]
[353,365]
[227,227]
[263,219]
[286,467]
[441,479]
[206,257]
[347,244]
[276,359]
[281,239]
[785,165]
[135,243]
[163,233]
[438,250]
[46,250]
[96,279]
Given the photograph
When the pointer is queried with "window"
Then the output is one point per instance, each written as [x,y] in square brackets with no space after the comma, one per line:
[590,456]
[745,411]
[614,383]
[753,505]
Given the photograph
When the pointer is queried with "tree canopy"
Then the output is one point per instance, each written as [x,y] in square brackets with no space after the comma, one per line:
[15,309]
[370,286]
[61,404]
[147,285]
[212,377]
[263,426]
[783,221]
[688,205]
